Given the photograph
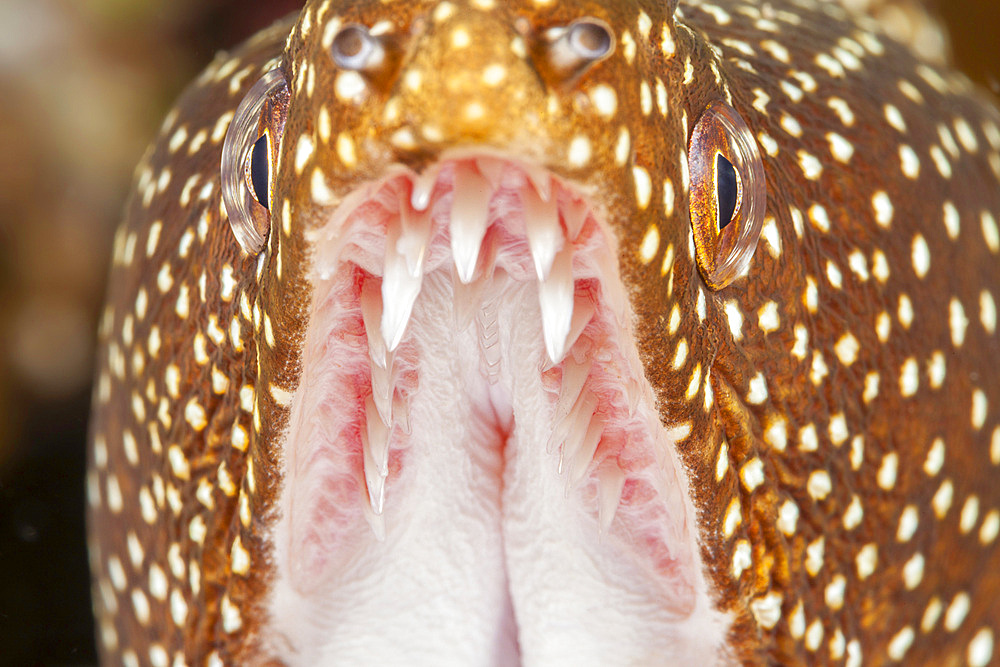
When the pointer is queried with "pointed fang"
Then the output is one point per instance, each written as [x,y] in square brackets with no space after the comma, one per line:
[545,236]
[374,480]
[584,452]
[400,289]
[469,219]
[377,434]
[415,235]
[610,484]
[555,297]
[371,314]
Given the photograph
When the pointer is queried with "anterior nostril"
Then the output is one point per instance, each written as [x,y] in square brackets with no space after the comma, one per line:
[568,51]
[354,48]
[590,39]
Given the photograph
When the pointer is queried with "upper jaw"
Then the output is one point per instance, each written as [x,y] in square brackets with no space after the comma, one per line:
[465,187]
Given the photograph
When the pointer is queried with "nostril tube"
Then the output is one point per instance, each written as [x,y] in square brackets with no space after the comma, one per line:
[355,48]
[567,52]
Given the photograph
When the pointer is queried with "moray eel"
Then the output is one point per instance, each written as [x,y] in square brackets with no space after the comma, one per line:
[619,333]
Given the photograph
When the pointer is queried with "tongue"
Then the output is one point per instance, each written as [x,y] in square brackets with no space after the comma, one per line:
[475,467]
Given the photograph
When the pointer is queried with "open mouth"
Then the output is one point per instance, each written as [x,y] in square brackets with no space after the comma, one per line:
[475,470]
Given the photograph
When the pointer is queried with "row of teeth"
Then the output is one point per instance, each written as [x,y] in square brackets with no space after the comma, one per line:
[474,185]
[386,305]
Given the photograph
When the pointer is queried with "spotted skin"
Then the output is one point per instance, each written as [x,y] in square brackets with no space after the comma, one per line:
[843,435]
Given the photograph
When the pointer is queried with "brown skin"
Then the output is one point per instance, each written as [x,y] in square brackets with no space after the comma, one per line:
[873,611]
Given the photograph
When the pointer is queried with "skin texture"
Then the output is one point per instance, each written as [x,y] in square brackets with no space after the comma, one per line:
[843,439]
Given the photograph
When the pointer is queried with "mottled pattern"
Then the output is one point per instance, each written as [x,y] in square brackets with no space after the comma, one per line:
[843,443]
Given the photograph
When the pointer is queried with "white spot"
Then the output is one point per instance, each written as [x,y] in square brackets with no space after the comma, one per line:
[887,473]
[941,502]
[921,256]
[969,515]
[767,317]
[957,321]
[909,520]
[819,218]
[866,560]
[979,409]
[909,378]
[643,186]
[819,484]
[752,474]
[980,648]
[895,118]
[901,643]
[883,208]
[951,220]
[988,311]
[913,571]
[788,517]
[840,148]
[909,162]
[604,99]
[853,514]
[303,152]
[955,615]
[991,233]
[767,609]
[834,592]
[579,151]
[847,349]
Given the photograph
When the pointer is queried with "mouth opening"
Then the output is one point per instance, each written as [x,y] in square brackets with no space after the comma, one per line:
[473,437]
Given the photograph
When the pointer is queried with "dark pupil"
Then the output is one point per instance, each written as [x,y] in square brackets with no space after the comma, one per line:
[726,185]
[258,170]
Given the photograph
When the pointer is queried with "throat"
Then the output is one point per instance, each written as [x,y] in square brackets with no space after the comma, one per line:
[477,490]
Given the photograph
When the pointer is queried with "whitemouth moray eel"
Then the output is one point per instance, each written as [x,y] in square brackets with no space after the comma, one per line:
[556,333]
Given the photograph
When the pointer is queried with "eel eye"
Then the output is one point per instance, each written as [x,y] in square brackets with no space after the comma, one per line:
[248,155]
[258,171]
[354,48]
[566,52]
[728,194]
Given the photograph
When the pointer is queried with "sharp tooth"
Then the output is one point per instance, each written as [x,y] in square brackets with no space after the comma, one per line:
[469,219]
[414,237]
[371,314]
[610,484]
[583,312]
[401,413]
[383,385]
[545,236]
[399,290]
[578,417]
[555,297]
[574,376]
[377,436]
[423,188]
[375,520]
[540,179]
[374,480]
[581,452]
[574,214]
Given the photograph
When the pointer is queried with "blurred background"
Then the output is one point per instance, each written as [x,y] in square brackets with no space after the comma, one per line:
[83,86]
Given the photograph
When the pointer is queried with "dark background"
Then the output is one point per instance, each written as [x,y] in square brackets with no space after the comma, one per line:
[83,86]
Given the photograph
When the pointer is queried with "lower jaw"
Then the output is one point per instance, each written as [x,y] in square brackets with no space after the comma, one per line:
[489,483]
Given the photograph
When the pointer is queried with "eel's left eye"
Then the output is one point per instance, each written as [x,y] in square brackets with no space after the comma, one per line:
[248,156]
[728,194]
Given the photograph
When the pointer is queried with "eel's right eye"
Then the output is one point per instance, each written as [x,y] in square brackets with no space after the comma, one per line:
[728,194]
[248,156]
